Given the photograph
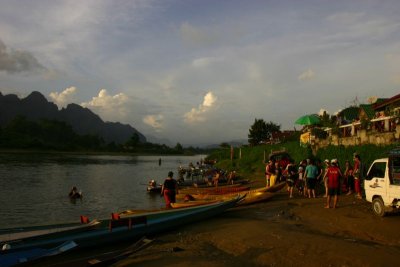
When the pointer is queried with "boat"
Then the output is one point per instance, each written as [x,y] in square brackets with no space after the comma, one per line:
[122,226]
[32,254]
[14,235]
[251,196]
[214,190]
[153,187]
[191,203]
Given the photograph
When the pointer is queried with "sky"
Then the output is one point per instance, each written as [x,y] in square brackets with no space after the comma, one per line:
[201,71]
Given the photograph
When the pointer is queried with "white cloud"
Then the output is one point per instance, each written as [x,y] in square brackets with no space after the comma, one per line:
[307,75]
[203,62]
[198,115]
[155,121]
[65,97]
[107,106]
[209,100]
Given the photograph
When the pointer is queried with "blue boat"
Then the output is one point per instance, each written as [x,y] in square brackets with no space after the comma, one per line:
[32,254]
[121,227]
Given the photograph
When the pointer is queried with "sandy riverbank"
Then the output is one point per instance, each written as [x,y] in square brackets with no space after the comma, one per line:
[281,232]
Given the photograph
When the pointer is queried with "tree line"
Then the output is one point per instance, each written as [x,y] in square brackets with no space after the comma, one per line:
[46,134]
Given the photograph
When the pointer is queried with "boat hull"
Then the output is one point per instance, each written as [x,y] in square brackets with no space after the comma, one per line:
[156,222]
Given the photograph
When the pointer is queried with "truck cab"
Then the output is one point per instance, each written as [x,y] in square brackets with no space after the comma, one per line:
[382,184]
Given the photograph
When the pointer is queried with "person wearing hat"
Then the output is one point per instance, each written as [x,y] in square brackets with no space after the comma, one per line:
[169,190]
[333,174]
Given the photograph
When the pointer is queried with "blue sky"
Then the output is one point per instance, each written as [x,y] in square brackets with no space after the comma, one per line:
[201,71]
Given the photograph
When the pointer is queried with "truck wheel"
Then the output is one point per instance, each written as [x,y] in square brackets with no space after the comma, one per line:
[378,207]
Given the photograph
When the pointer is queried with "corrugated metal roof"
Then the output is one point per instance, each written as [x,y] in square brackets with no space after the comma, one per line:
[368,109]
[385,101]
[349,114]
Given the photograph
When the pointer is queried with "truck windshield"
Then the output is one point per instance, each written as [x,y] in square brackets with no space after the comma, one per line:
[377,170]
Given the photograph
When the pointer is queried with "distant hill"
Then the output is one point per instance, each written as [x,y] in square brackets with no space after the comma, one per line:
[83,120]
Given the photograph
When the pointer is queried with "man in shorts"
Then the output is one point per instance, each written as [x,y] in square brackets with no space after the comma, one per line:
[333,173]
[311,173]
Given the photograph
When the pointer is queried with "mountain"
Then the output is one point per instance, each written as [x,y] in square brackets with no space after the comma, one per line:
[83,120]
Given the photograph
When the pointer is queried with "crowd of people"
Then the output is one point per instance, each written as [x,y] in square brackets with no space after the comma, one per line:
[311,178]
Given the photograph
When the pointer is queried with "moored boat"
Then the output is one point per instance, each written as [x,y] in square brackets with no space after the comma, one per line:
[214,190]
[32,254]
[124,227]
[251,196]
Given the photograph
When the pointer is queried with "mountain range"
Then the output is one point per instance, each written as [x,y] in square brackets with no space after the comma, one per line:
[83,120]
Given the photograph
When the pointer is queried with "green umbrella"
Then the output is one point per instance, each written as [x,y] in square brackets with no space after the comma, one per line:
[308,120]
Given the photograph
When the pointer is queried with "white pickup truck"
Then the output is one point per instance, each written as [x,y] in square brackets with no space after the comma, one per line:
[382,184]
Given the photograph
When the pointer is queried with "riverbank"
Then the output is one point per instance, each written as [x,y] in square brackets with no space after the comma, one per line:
[281,232]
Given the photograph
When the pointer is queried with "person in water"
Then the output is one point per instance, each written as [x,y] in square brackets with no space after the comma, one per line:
[169,190]
[74,193]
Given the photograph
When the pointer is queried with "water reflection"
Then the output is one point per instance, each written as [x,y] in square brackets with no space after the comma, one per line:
[34,187]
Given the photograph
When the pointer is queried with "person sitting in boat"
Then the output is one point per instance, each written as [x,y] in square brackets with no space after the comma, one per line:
[169,190]
[74,193]
[153,183]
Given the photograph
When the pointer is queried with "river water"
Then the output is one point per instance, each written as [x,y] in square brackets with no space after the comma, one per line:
[34,187]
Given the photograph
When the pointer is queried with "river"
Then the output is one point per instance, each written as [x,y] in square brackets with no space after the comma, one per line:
[34,187]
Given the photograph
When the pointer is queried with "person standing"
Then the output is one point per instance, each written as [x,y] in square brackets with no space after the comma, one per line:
[311,174]
[348,176]
[357,173]
[325,179]
[333,175]
[269,171]
[291,178]
[169,190]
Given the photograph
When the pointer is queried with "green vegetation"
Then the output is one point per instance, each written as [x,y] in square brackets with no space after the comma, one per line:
[261,131]
[251,164]
[53,135]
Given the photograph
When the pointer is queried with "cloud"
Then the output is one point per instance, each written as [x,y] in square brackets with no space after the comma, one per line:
[14,61]
[307,75]
[107,106]
[155,121]
[198,115]
[65,97]
[203,62]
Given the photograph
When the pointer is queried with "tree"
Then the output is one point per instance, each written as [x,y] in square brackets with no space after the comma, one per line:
[257,132]
[224,145]
[272,128]
[261,131]
[134,140]
[179,148]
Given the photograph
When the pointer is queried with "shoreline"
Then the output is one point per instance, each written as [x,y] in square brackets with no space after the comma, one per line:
[281,232]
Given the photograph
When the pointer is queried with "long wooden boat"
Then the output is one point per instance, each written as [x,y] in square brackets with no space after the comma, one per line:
[124,228]
[251,196]
[214,190]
